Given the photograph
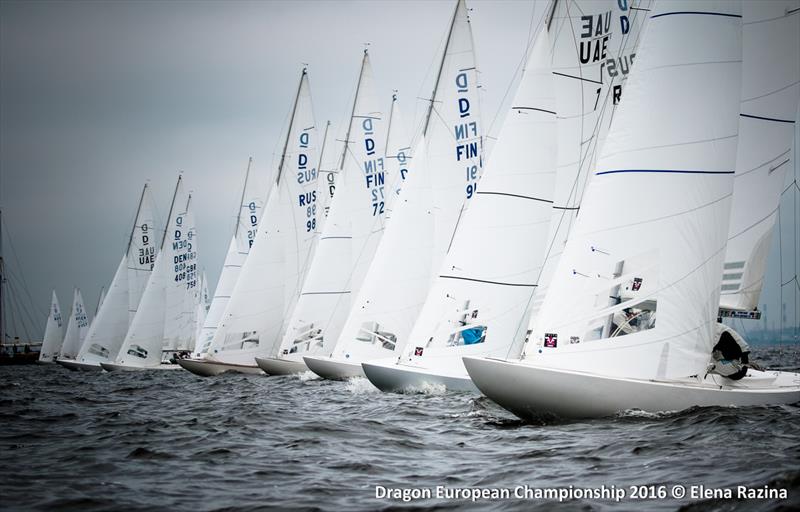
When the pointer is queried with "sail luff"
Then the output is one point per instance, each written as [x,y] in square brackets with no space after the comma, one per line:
[135,219]
[291,122]
[241,200]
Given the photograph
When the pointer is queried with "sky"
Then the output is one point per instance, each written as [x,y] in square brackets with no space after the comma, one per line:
[98,97]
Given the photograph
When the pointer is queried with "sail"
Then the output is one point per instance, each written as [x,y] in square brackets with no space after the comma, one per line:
[352,230]
[328,171]
[142,250]
[53,332]
[480,296]
[183,286]
[398,154]
[770,92]
[444,173]
[636,291]
[251,208]
[100,300]
[145,339]
[76,327]
[594,46]
[203,305]
[274,271]
[108,329]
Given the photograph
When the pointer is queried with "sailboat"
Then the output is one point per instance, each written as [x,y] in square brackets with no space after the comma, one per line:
[273,273]
[77,326]
[446,167]
[478,304]
[659,254]
[115,313]
[353,346]
[164,323]
[53,333]
[348,240]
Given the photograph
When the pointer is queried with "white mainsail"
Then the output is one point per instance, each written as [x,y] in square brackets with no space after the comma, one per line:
[479,298]
[398,154]
[651,234]
[53,333]
[108,330]
[77,326]
[162,320]
[594,46]
[275,269]
[770,92]
[446,167]
[351,233]
[251,207]
[203,305]
[328,171]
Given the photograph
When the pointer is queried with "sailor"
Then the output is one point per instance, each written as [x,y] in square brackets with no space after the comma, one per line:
[621,322]
[730,356]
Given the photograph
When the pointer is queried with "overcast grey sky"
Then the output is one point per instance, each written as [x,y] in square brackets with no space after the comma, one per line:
[97,97]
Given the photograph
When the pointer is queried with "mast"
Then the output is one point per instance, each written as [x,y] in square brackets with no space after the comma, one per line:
[135,219]
[439,74]
[241,201]
[2,285]
[353,112]
[291,122]
[171,206]
[552,13]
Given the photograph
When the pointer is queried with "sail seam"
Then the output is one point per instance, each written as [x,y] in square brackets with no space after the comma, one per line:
[705,13]
[514,195]
[525,285]
[667,171]
[790,121]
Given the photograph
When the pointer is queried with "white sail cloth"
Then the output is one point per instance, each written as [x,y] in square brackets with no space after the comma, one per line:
[651,234]
[53,332]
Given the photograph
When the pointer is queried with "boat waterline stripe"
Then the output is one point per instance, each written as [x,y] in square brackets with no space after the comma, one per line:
[489,282]
[668,171]
[514,195]
[790,121]
[724,14]
[324,293]
[534,108]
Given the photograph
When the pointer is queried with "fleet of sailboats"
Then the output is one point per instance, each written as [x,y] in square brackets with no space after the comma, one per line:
[580,270]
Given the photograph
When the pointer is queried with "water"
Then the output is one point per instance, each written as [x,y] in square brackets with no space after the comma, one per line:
[171,440]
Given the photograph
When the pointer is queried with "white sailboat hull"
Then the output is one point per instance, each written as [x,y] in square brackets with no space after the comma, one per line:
[275,366]
[73,365]
[399,378]
[114,367]
[530,391]
[333,369]
[205,368]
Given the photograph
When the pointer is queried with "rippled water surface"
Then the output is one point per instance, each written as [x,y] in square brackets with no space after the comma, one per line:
[171,440]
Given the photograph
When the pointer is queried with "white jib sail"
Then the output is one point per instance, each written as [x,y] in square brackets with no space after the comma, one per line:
[770,92]
[272,275]
[53,332]
[351,234]
[636,291]
[108,330]
[145,338]
[477,303]
[445,170]
[77,326]
[251,208]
